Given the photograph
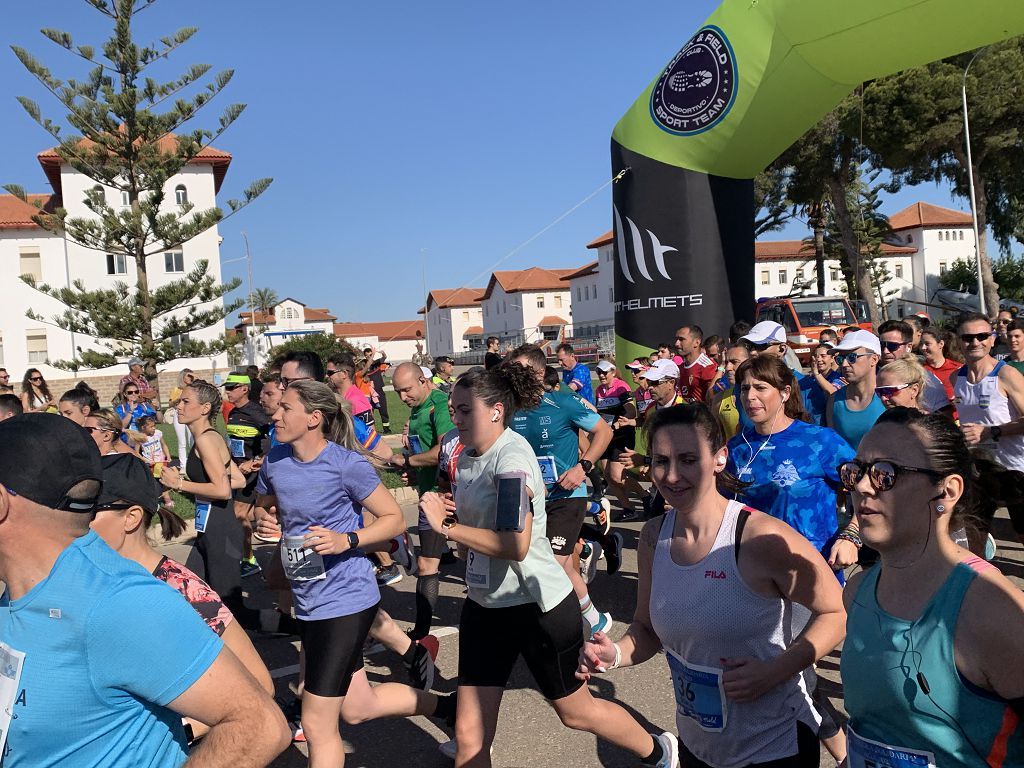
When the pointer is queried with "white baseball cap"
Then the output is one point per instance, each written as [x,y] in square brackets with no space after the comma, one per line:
[604,365]
[857,339]
[661,369]
[427,372]
[766,332]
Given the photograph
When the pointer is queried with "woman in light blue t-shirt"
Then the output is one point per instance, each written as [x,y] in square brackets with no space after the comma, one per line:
[520,600]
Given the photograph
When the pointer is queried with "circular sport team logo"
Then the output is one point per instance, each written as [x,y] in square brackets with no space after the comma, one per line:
[698,87]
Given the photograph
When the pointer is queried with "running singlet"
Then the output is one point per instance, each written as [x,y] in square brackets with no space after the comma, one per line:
[581,375]
[853,425]
[792,476]
[427,422]
[365,434]
[552,429]
[326,491]
[198,593]
[983,403]
[705,612]
[954,721]
[612,400]
[246,428]
[695,378]
[107,647]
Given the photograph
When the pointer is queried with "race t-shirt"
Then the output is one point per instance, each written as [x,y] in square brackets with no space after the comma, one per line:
[814,396]
[695,378]
[491,581]
[792,476]
[200,596]
[853,425]
[360,402]
[427,422]
[947,372]
[107,647]
[448,458]
[552,429]
[644,399]
[612,400]
[580,375]
[728,414]
[365,434]
[327,491]
[246,427]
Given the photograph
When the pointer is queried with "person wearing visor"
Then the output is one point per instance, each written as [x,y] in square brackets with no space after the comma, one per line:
[101,661]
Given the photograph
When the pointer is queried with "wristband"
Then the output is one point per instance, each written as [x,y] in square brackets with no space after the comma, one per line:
[618,658]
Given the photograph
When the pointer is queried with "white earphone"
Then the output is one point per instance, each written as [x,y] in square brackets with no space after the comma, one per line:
[720,461]
[495,416]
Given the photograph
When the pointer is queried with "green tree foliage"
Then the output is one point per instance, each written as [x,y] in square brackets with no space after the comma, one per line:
[123,126]
[321,343]
[913,125]
[264,300]
[1007,271]
[771,199]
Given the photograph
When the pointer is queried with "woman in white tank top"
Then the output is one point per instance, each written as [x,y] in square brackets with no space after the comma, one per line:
[716,588]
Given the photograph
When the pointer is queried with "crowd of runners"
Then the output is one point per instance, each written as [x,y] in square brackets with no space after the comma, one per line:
[759,488]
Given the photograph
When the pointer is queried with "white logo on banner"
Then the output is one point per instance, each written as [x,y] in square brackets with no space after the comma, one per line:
[658,250]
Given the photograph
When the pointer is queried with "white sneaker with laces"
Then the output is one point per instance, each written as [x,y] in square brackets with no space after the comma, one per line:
[670,747]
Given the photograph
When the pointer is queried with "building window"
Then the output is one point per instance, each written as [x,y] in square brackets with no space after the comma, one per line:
[174,261]
[835,275]
[179,340]
[125,202]
[910,239]
[31,265]
[558,302]
[942,267]
[961,234]
[117,264]
[35,344]
[180,194]
[611,296]
[465,315]
[579,293]
[899,270]
[540,302]
[800,275]
[765,279]
[783,277]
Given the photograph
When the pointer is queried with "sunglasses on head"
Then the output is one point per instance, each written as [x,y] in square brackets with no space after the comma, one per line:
[967,338]
[849,357]
[892,346]
[90,430]
[881,473]
[886,392]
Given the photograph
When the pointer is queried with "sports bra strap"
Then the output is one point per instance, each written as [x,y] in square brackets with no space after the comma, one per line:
[741,521]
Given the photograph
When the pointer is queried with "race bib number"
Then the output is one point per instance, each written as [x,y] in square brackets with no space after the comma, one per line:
[202,515]
[415,446]
[478,570]
[11,662]
[865,753]
[547,469]
[643,405]
[699,693]
[301,563]
[237,447]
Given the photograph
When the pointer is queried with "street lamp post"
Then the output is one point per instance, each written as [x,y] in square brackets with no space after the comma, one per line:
[970,185]
[252,311]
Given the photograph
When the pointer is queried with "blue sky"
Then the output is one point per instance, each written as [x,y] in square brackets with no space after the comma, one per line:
[398,134]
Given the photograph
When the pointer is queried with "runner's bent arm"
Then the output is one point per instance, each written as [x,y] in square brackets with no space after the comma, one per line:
[504,545]
[387,523]
[214,455]
[600,435]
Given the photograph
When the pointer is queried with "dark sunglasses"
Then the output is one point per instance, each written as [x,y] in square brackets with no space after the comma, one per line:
[286,382]
[886,392]
[331,372]
[849,357]
[35,378]
[967,338]
[892,346]
[131,391]
[881,473]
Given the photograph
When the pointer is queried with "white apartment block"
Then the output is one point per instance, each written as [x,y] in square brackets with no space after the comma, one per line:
[593,292]
[27,249]
[288,319]
[454,320]
[401,340]
[527,306]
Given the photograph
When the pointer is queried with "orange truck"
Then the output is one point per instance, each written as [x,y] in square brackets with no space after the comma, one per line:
[805,317]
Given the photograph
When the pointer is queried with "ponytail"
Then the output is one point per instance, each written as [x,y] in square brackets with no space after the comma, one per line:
[171,525]
[337,424]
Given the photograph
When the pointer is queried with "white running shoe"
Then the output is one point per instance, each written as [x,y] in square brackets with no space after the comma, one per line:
[604,624]
[670,747]
[588,564]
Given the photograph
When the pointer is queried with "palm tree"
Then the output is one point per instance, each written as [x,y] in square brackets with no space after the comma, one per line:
[264,300]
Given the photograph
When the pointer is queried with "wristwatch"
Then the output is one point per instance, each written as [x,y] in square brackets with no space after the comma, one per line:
[996,431]
[587,465]
[353,539]
[448,523]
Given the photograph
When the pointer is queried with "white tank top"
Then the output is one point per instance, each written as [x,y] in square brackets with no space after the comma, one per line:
[704,612]
[983,403]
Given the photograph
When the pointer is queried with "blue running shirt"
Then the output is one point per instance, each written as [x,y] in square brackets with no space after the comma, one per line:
[814,396]
[793,476]
[552,429]
[853,425]
[581,375]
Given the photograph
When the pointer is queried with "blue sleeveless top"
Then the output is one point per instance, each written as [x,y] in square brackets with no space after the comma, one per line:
[883,655]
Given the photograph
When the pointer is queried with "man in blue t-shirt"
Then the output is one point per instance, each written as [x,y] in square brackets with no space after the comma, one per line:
[553,431]
[825,379]
[101,659]
[855,408]
[575,375]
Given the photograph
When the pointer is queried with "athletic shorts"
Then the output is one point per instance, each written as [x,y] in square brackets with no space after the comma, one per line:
[491,640]
[334,650]
[565,519]
[623,440]
[432,543]
[808,753]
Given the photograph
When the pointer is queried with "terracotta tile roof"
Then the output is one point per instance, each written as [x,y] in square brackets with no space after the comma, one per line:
[220,160]
[474,330]
[17,214]
[584,271]
[317,315]
[454,297]
[928,215]
[604,239]
[245,318]
[532,279]
[776,250]
[395,330]
[552,320]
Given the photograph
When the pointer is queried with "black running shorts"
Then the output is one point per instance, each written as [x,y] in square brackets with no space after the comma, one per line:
[334,650]
[492,639]
[565,519]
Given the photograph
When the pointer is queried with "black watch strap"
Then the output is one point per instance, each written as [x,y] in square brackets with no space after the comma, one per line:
[353,539]
[587,465]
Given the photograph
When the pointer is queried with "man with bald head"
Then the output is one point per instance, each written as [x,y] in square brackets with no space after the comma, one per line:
[429,419]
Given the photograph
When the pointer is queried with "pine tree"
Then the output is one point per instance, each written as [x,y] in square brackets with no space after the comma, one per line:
[123,127]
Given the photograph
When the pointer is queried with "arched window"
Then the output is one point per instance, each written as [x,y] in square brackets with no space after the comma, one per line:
[961,234]
[180,194]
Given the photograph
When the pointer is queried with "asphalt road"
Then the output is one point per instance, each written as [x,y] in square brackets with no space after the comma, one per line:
[529,732]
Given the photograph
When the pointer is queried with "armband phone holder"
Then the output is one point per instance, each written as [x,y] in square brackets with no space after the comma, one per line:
[513,502]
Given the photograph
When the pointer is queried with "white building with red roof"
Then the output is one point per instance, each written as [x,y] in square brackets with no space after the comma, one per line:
[528,305]
[454,320]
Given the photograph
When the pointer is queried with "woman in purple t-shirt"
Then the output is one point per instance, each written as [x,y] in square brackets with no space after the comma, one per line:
[320,488]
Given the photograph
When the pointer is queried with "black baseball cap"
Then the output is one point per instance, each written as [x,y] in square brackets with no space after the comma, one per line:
[43,456]
[127,478]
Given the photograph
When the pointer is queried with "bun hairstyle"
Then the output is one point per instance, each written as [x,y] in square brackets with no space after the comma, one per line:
[513,385]
[700,417]
[83,396]
[207,393]
[774,371]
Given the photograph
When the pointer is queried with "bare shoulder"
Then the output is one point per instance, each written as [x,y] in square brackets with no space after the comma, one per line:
[852,585]
[990,628]
[650,532]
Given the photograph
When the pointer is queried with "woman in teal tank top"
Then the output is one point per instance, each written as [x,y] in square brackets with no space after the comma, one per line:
[931,666]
